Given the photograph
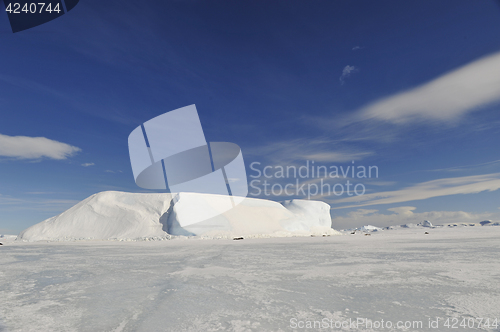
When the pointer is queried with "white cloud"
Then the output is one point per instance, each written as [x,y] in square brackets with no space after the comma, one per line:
[404,215]
[88,164]
[429,189]
[23,147]
[346,72]
[446,98]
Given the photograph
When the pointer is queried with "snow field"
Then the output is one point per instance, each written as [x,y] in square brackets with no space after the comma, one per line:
[253,284]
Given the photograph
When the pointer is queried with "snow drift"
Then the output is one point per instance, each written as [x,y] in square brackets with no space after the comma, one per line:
[120,215]
[105,215]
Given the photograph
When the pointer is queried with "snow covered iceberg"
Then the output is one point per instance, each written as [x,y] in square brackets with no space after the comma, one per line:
[120,215]
[105,215]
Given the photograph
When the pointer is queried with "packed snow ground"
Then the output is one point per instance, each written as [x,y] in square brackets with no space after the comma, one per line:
[254,284]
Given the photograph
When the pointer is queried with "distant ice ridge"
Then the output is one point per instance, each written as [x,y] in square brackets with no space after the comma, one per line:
[113,215]
[366,228]
[4,238]
[489,223]
[425,223]
[371,228]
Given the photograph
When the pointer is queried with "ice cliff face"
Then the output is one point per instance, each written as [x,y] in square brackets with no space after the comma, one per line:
[120,215]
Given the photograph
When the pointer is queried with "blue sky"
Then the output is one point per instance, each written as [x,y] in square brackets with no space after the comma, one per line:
[411,87]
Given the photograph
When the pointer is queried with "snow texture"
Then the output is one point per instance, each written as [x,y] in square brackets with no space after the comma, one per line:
[253,285]
[124,216]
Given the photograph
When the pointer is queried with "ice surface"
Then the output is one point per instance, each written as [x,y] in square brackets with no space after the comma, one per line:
[253,284]
[122,216]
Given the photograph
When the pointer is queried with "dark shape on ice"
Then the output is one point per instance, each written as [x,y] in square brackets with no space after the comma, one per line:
[238,238]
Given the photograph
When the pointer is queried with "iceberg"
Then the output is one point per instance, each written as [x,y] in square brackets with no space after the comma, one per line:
[119,215]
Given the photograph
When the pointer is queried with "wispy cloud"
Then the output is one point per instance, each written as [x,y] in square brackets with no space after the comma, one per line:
[9,200]
[347,72]
[300,150]
[40,192]
[493,163]
[444,99]
[404,215]
[9,203]
[335,156]
[23,147]
[429,189]
[88,164]
[7,231]
[382,183]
